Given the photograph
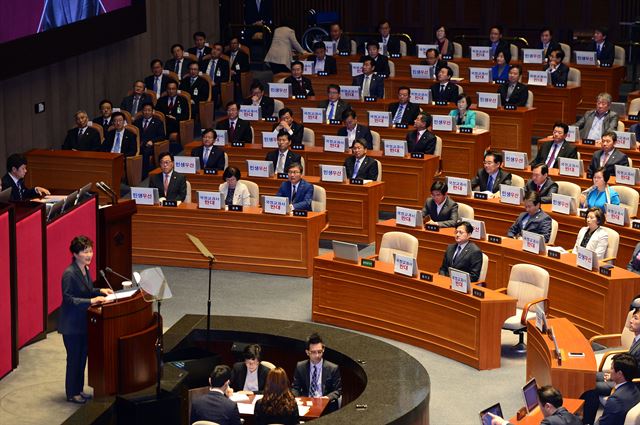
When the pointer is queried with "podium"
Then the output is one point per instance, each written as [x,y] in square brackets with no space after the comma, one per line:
[122,338]
[114,238]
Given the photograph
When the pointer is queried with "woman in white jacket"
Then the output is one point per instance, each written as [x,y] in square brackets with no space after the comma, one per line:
[282,44]
[593,237]
[233,191]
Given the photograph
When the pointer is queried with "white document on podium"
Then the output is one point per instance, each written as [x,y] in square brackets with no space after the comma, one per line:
[121,294]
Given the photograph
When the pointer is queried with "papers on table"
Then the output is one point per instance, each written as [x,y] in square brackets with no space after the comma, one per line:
[121,294]
[246,408]
[239,397]
[303,410]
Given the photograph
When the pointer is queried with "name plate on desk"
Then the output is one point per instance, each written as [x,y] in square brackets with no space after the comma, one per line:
[367,262]
[307,67]
[532,55]
[625,140]
[605,270]
[395,147]
[510,107]
[422,49]
[432,227]
[635,117]
[635,224]
[480,195]
[238,144]
[460,281]
[221,138]
[280,90]
[586,58]
[356,181]
[335,143]
[186,164]
[420,71]
[616,214]
[627,175]
[465,130]
[532,242]
[237,208]
[479,230]
[259,168]
[379,118]
[300,213]
[572,134]
[459,186]
[350,92]
[417,155]
[586,258]
[408,217]
[538,78]
[488,100]
[494,239]
[356,68]
[276,205]
[515,160]
[427,277]
[333,173]
[405,265]
[166,203]
[511,194]
[210,171]
[590,142]
[250,112]
[297,147]
[443,123]
[144,195]
[570,167]
[553,254]
[269,139]
[313,115]
[563,204]
[479,75]
[209,200]
[480,53]
[420,96]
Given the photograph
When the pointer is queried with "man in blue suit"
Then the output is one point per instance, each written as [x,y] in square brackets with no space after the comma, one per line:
[371,85]
[299,192]
[215,406]
[532,220]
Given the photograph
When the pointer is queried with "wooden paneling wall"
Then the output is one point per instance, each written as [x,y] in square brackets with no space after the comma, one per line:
[82,81]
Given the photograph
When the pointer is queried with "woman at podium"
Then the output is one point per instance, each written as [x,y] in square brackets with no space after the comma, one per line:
[78,294]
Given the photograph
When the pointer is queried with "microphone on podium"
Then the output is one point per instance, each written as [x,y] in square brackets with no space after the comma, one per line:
[108,284]
[134,279]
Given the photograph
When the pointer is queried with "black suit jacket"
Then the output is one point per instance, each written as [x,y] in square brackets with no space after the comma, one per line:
[618,404]
[449,94]
[426,144]
[468,260]
[21,193]
[127,103]
[344,44]
[199,86]
[215,407]
[368,169]
[90,140]
[170,65]
[330,65]
[177,190]
[252,14]
[439,65]
[560,75]
[448,216]
[274,154]
[267,105]
[179,112]
[548,187]
[77,292]
[194,51]
[540,223]
[561,417]
[567,150]
[240,63]
[411,112]
[607,53]
[632,266]
[239,375]
[154,131]
[298,132]
[340,107]
[376,86]
[381,62]
[481,179]
[393,44]
[100,120]
[149,80]
[553,45]
[616,158]
[128,144]
[216,157]
[518,97]
[298,89]
[243,130]
[362,132]
[331,380]
[502,46]
[220,73]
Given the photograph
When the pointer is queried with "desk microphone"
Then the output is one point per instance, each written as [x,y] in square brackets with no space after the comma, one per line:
[108,284]
[130,279]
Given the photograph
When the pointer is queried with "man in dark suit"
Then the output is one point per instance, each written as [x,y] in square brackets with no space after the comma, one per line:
[218,70]
[360,166]
[200,50]
[624,396]
[608,156]
[133,102]
[370,84]
[341,43]
[178,63]
[422,139]
[441,210]
[444,90]
[197,87]
[541,182]
[300,85]
[258,12]
[605,49]
[157,81]
[390,43]
[532,220]
[434,62]
[634,263]
[211,157]
[104,119]
[550,402]
[380,61]
[239,61]
[403,111]
[594,123]
[151,131]
[238,129]
[119,139]
[463,254]
[14,179]
[287,124]
[334,105]
[170,184]
[496,42]
[251,355]
[513,92]
[282,157]
[549,152]
[547,43]
[82,137]
[353,131]
[558,71]
[322,62]
[214,406]
[175,109]
[317,377]
[258,98]
[490,177]
[296,189]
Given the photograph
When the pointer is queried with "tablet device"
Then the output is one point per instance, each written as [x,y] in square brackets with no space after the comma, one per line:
[55,210]
[70,201]
[485,419]
[530,394]
[84,190]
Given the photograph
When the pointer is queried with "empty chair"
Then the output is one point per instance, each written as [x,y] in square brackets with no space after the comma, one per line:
[575,77]
[485,267]
[319,200]
[554,232]
[308,137]
[529,103]
[483,120]
[375,140]
[634,107]
[254,192]
[457,50]
[613,241]
[603,353]
[392,69]
[397,243]
[465,211]
[620,55]
[570,189]
[277,106]
[567,52]
[517,180]
[628,198]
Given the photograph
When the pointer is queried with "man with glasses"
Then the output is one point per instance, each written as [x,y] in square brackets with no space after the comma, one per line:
[317,377]
[490,177]
[296,189]
[171,185]
[334,106]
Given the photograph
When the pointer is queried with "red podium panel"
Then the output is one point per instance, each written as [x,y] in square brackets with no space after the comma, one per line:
[8,350]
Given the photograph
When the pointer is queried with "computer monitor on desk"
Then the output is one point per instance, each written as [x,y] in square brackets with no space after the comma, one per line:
[530,394]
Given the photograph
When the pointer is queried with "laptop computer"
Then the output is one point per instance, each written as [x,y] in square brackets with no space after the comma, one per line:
[84,191]
[485,418]
[55,210]
[70,201]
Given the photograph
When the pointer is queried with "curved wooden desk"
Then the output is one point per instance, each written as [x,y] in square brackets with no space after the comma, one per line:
[421,313]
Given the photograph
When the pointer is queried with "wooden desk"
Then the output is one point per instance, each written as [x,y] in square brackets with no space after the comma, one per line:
[595,303]
[574,375]
[425,314]
[352,209]
[573,405]
[70,170]
[243,241]
[584,182]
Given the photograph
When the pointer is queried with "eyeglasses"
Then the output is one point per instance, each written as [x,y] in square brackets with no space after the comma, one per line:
[316,352]
[166,162]
[489,162]
[294,172]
